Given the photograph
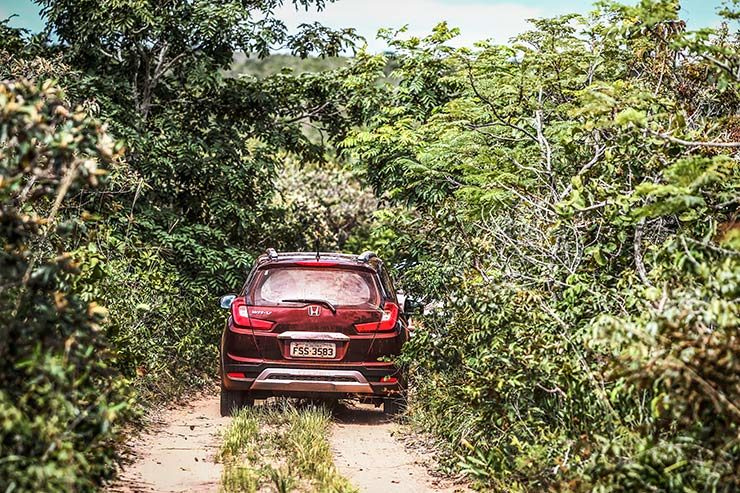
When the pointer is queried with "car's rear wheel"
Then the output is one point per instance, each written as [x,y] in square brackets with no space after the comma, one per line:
[393,405]
[233,400]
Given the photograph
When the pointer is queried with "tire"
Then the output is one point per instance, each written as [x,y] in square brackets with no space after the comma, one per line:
[394,406]
[233,400]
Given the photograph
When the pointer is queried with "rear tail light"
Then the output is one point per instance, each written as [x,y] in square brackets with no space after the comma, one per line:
[240,315]
[387,320]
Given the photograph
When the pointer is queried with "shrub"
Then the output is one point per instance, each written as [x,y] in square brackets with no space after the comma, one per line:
[61,399]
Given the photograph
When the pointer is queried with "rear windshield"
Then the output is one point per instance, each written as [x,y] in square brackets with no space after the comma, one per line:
[344,287]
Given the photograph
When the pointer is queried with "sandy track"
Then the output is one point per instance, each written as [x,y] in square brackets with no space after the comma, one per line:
[177,454]
[367,453]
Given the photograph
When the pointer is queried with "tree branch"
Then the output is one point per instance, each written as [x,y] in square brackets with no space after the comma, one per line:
[693,143]
[490,104]
[639,264]
[584,169]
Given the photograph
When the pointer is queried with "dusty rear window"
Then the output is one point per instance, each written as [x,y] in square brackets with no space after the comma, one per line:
[337,286]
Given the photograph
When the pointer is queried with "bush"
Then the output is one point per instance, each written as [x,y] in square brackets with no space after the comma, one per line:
[61,398]
[570,212]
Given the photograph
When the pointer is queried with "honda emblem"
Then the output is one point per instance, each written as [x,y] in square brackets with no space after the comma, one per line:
[314,311]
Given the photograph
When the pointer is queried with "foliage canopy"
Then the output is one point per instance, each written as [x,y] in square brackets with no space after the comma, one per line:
[566,203]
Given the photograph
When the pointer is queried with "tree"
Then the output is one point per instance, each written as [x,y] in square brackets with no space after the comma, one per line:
[155,44]
[203,148]
[568,193]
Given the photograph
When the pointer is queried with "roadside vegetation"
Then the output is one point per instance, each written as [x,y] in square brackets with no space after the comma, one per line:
[567,205]
[280,447]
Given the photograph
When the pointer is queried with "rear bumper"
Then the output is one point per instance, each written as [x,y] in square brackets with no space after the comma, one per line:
[297,380]
[294,379]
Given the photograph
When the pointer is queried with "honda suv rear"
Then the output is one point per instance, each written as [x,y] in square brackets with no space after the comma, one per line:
[313,325]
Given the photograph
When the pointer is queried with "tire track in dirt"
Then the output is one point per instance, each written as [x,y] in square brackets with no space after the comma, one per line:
[367,452]
[178,453]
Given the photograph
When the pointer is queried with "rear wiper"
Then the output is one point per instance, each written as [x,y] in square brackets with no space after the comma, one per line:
[326,303]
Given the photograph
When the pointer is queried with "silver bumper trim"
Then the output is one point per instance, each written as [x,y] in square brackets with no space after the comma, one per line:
[304,380]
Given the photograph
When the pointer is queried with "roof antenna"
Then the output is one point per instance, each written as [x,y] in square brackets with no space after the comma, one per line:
[318,255]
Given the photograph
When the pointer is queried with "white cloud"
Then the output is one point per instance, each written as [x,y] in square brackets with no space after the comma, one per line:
[476,21]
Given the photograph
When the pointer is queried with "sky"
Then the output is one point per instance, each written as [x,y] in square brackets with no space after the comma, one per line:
[498,20]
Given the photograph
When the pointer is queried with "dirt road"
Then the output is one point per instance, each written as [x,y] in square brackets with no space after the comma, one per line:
[368,452]
[178,453]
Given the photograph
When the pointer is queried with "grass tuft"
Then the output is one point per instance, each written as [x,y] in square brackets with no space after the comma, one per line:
[283,447]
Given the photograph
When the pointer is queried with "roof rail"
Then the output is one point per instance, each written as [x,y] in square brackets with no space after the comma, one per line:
[365,257]
[272,254]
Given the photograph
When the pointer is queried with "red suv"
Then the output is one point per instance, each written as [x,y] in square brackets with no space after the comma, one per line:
[313,325]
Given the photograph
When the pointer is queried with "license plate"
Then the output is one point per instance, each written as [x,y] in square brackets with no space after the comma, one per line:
[313,350]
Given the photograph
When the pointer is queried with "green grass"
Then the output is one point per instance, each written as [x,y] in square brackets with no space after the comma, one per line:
[280,447]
